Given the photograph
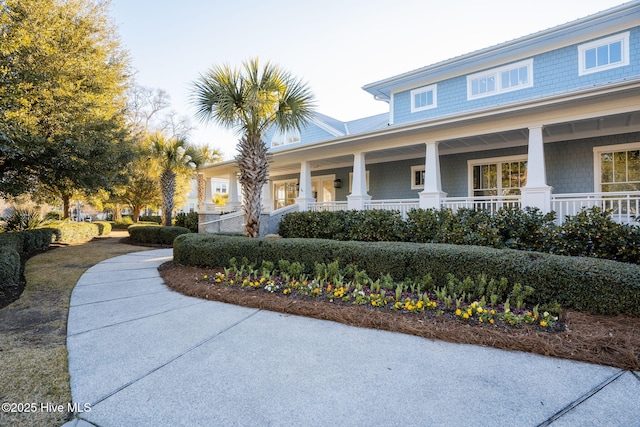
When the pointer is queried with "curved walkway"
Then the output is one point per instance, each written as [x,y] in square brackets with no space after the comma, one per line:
[143,355]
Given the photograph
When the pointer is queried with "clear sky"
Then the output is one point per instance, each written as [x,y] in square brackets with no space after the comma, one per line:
[336,46]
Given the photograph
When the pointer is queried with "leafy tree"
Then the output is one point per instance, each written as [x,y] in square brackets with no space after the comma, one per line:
[251,99]
[63,78]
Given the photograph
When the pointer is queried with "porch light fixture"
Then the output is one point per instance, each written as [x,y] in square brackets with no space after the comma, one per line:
[337,183]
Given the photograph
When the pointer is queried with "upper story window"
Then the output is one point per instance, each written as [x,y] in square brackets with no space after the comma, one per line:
[499,80]
[424,98]
[604,54]
[284,137]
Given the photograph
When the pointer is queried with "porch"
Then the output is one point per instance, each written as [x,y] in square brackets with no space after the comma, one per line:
[623,206]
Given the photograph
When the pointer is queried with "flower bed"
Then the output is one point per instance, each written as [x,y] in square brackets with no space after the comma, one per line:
[329,285]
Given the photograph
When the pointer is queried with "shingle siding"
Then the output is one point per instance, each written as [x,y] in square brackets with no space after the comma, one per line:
[554,72]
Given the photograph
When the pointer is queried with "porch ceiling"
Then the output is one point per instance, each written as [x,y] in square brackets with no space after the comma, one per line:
[607,125]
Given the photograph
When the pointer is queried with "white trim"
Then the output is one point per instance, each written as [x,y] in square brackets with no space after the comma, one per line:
[623,38]
[426,89]
[496,74]
[324,126]
[491,160]
[597,164]
[414,169]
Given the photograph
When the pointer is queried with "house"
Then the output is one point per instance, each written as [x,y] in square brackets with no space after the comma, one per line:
[550,120]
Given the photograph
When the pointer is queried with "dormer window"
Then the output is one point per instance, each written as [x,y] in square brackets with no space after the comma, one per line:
[500,80]
[285,137]
[604,54]
[424,98]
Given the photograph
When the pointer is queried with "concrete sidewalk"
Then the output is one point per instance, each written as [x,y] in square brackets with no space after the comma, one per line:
[143,355]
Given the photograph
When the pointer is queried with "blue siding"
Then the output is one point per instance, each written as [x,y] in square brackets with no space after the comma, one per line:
[554,72]
[570,163]
[454,170]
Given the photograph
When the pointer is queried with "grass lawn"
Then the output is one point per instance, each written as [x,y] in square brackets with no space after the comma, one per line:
[33,330]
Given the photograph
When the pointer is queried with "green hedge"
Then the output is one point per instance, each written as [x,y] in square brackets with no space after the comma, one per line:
[104,227]
[71,231]
[586,284]
[592,232]
[155,233]
[9,266]
[187,220]
[15,245]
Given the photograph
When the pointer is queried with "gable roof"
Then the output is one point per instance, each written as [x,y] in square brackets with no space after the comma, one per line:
[593,26]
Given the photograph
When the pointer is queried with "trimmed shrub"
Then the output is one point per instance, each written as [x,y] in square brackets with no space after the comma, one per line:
[586,284]
[9,266]
[591,233]
[155,234]
[36,240]
[368,226]
[187,220]
[151,218]
[104,227]
[71,231]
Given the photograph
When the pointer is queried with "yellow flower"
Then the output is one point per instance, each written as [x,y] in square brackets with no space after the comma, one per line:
[329,288]
[492,311]
[469,312]
[231,281]
[286,291]
[205,277]
[480,310]
[458,312]
[466,316]
[491,321]
[543,323]
[480,320]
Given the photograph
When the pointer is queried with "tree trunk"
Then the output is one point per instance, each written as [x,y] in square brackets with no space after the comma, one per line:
[117,212]
[201,191]
[253,163]
[66,206]
[168,184]
[136,213]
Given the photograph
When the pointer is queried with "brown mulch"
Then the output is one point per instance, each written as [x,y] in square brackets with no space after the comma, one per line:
[603,340]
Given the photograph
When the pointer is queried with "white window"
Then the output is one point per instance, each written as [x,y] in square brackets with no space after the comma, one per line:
[617,167]
[220,187]
[503,176]
[284,137]
[417,177]
[500,80]
[604,54]
[424,98]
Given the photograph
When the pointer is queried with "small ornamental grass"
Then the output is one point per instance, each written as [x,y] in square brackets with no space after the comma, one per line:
[330,284]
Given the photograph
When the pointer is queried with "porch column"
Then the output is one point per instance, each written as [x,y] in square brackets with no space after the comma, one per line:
[432,196]
[233,202]
[536,194]
[304,191]
[358,197]
[267,200]
[208,194]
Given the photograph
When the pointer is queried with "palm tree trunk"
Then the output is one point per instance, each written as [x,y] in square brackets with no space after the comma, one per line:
[253,163]
[201,191]
[168,183]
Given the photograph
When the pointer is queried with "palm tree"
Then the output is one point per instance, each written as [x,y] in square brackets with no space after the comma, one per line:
[173,158]
[250,100]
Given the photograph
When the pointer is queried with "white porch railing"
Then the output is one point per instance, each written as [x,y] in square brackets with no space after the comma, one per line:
[490,203]
[328,206]
[624,206]
[402,205]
